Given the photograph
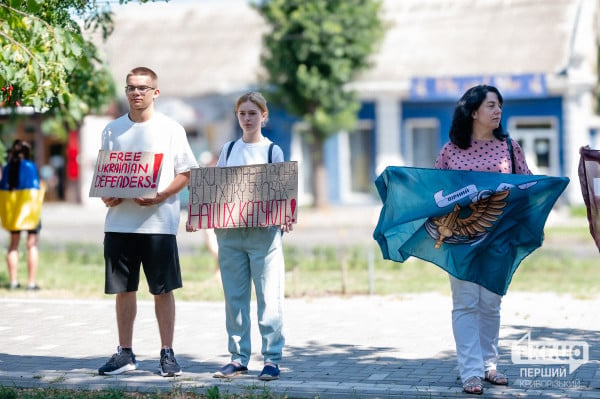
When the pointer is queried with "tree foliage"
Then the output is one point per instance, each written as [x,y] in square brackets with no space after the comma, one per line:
[315,48]
[47,65]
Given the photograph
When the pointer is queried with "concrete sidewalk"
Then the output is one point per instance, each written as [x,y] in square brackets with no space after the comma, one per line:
[358,347]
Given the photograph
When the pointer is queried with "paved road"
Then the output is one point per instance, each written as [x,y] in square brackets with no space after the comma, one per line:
[337,347]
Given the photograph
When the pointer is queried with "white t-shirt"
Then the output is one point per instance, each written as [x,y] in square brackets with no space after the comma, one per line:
[249,153]
[160,134]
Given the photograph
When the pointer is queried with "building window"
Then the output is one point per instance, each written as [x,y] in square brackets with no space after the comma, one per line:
[354,163]
[421,142]
[361,158]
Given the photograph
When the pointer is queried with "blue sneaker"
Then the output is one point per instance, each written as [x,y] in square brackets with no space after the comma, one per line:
[269,372]
[230,370]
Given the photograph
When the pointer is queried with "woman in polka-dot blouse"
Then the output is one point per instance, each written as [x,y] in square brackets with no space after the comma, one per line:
[478,142]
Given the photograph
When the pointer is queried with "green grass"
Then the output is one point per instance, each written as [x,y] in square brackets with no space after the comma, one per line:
[560,265]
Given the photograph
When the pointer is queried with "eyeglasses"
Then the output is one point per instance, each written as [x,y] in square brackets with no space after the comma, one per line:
[141,89]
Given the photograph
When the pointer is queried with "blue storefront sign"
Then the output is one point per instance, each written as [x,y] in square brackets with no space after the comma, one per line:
[452,88]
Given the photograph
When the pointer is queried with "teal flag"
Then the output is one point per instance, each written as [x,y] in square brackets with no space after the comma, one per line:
[478,226]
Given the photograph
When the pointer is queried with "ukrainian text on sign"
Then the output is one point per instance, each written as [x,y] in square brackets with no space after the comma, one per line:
[243,196]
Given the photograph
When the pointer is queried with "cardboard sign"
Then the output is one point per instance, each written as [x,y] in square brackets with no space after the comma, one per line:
[589,179]
[126,174]
[244,196]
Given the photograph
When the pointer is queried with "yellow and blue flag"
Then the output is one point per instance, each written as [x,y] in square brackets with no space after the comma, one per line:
[477,226]
[21,207]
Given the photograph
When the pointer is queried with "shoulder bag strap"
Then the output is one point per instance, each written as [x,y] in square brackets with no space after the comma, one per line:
[512,154]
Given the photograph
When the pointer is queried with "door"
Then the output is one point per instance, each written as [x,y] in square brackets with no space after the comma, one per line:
[539,139]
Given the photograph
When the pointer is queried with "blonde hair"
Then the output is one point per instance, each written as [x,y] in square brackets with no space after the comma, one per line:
[256,98]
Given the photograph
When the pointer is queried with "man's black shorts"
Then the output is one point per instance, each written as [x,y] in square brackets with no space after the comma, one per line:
[157,253]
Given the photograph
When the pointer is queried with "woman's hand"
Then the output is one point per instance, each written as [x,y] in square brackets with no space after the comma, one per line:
[189,227]
[287,227]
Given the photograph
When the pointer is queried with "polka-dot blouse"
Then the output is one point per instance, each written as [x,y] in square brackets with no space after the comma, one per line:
[483,155]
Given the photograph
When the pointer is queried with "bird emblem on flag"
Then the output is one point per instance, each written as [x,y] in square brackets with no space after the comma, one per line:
[460,228]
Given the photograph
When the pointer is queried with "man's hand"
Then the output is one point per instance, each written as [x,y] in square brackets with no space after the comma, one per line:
[111,201]
[160,197]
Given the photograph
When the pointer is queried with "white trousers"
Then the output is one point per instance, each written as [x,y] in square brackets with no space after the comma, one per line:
[476,326]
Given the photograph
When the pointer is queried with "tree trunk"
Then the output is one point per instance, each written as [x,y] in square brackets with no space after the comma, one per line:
[319,178]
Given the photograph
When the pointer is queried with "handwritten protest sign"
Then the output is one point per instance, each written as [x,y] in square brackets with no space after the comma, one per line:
[126,174]
[244,196]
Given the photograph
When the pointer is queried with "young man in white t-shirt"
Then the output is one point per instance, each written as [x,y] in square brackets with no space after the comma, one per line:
[142,231]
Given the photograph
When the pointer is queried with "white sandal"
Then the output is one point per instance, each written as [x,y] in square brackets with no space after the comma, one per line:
[473,385]
[496,377]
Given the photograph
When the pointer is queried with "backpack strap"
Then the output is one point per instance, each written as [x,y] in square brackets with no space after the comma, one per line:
[271,152]
[231,143]
[512,154]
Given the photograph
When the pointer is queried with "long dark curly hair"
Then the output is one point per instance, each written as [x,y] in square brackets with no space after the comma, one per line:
[461,129]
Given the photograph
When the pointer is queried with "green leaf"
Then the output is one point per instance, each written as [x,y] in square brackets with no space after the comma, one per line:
[37,73]
[15,3]
[69,64]
[34,6]
[38,103]
[76,49]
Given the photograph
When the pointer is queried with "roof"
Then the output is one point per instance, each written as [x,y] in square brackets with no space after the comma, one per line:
[196,48]
[211,46]
[441,38]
